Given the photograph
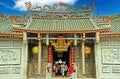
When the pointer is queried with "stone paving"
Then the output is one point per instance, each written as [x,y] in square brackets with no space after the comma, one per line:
[57,78]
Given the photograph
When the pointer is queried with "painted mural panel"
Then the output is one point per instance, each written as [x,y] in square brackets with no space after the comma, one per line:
[110,56]
[10,56]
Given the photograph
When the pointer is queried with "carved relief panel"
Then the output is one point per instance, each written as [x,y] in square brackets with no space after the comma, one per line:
[10,56]
[115,42]
[16,70]
[5,43]
[115,69]
[110,56]
[17,43]
[106,69]
[5,70]
[104,42]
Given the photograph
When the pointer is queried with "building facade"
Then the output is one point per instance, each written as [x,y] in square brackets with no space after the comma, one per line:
[50,34]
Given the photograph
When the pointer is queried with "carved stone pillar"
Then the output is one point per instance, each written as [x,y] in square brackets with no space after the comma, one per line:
[83,56]
[25,50]
[96,47]
[24,37]
[97,38]
[39,54]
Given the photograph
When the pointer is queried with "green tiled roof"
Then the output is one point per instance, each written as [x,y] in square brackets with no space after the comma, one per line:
[6,25]
[115,25]
[61,25]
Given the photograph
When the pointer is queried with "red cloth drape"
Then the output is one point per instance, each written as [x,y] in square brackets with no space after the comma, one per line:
[71,69]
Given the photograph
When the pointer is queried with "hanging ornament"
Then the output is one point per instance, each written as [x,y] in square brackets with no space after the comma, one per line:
[35,50]
[36,55]
[75,39]
[87,51]
[47,39]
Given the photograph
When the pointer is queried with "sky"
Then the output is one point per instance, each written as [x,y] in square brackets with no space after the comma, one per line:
[102,7]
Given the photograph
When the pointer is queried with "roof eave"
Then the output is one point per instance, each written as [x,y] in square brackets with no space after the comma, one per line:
[111,35]
[11,35]
[62,31]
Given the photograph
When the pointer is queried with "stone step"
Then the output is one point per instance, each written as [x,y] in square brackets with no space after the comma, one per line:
[58,78]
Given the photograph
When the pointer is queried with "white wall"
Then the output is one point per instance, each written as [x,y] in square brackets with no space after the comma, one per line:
[12,65]
[109,58]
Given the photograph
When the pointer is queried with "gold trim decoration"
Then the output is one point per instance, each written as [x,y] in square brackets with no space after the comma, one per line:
[61,45]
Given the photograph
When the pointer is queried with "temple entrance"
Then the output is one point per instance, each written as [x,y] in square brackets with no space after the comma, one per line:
[90,68]
[59,59]
[32,58]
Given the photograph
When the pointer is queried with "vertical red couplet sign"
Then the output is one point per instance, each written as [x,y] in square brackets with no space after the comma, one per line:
[49,54]
[71,55]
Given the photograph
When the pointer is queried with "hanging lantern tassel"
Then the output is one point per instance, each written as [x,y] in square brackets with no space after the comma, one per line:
[24,38]
[75,39]
[97,38]
[47,39]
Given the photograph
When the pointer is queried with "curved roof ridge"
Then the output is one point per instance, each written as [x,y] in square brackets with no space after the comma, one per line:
[93,22]
[28,23]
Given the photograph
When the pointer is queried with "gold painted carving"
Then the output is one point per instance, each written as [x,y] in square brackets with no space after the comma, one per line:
[61,45]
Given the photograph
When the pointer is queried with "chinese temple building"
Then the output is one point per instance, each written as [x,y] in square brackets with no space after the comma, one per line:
[59,33]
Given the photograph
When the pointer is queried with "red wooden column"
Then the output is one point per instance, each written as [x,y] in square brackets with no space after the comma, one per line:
[71,59]
[50,54]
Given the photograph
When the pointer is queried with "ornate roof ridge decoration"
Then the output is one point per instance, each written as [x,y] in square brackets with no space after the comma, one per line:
[116,16]
[1,15]
[20,20]
[60,9]
[6,30]
[102,19]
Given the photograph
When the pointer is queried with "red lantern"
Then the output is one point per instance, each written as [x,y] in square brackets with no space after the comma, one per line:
[87,51]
